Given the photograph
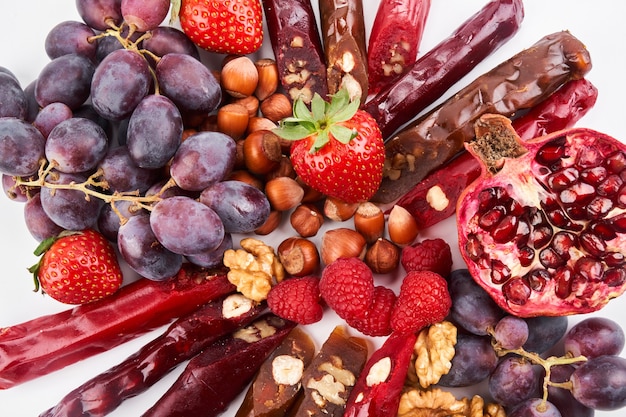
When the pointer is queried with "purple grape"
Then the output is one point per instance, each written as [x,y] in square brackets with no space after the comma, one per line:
[98,13]
[109,220]
[69,208]
[600,383]
[86,111]
[5,70]
[242,207]
[76,145]
[71,37]
[474,359]
[155,131]
[170,191]
[50,116]
[119,83]
[212,258]
[165,40]
[144,15]
[22,147]
[40,226]
[188,83]
[143,252]
[472,308]
[106,45]
[511,332]
[66,79]
[536,407]
[514,380]
[32,107]
[186,226]
[19,193]
[594,336]
[562,398]
[13,102]
[544,332]
[121,173]
[202,160]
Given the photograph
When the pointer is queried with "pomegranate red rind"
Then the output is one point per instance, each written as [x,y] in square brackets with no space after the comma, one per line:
[543,233]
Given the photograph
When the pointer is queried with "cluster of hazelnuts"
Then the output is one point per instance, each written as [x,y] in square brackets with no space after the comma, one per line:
[252,107]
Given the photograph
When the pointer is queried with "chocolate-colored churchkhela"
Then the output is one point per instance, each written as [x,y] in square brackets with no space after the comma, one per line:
[297,47]
[517,84]
[343,36]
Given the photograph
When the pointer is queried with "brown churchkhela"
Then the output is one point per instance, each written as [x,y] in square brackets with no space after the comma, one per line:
[517,84]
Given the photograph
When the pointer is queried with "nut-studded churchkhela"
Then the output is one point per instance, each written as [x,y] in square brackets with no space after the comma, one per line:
[330,377]
[297,47]
[445,64]
[518,83]
[343,36]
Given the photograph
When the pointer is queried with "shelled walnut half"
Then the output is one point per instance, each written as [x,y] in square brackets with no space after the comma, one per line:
[435,402]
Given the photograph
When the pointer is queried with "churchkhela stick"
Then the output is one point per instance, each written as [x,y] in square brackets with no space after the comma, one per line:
[515,85]
[217,375]
[343,36]
[445,64]
[434,198]
[182,340]
[297,47]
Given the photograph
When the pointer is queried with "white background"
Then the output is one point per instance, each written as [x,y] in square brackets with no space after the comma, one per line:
[22,34]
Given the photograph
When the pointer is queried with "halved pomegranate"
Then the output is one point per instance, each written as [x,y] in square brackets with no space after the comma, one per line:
[543,229]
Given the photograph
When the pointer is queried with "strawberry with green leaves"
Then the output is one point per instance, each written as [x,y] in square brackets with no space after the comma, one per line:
[77,267]
[338,149]
[222,26]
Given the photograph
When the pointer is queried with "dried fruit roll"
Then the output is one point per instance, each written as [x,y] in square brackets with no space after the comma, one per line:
[213,378]
[277,385]
[297,47]
[518,83]
[394,40]
[182,340]
[331,375]
[445,64]
[434,198]
[48,343]
[345,48]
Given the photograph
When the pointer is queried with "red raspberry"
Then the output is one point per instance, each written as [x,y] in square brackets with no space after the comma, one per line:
[347,286]
[297,299]
[423,300]
[376,320]
[428,255]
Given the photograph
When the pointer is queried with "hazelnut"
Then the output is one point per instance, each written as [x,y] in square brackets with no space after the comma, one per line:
[311,195]
[402,226]
[245,176]
[251,103]
[271,224]
[268,78]
[261,152]
[369,220]
[283,193]
[276,107]
[285,169]
[239,77]
[342,243]
[306,220]
[299,256]
[232,119]
[339,210]
[260,123]
[383,256]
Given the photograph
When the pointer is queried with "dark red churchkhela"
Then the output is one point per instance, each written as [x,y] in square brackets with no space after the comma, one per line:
[517,84]
[440,68]
[434,198]
[543,229]
[48,343]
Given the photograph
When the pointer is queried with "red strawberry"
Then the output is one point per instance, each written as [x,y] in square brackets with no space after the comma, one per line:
[428,255]
[297,299]
[223,26]
[423,300]
[347,286]
[377,319]
[77,267]
[338,149]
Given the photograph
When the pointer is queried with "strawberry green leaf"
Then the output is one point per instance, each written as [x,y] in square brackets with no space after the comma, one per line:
[343,134]
[318,107]
[293,131]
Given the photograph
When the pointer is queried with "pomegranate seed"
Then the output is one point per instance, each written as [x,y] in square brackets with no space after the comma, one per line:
[489,197]
[604,230]
[610,186]
[526,256]
[537,279]
[562,179]
[523,232]
[550,259]
[594,176]
[593,244]
[491,217]
[599,207]
[563,242]
[563,278]
[619,223]
[576,212]
[500,273]
[541,236]
[614,259]
[505,230]
[614,277]
[616,162]
[560,220]
[579,193]
[589,268]
[551,152]
[589,157]
[515,208]
[516,291]
[473,248]
[621,198]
